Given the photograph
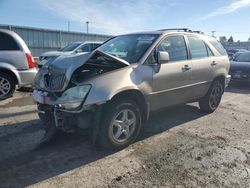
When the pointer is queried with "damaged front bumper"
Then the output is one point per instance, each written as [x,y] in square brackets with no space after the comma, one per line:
[67,120]
[72,121]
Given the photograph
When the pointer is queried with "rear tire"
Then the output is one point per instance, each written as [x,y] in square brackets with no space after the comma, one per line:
[7,86]
[120,126]
[210,102]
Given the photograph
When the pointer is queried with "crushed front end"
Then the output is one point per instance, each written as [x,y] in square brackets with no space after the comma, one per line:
[65,108]
[60,90]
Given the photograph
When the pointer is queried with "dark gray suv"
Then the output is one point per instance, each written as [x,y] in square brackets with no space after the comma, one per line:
[114,89]
[17,66]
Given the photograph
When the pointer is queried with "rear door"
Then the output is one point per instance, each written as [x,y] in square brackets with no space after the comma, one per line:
[171,85]
[203,63]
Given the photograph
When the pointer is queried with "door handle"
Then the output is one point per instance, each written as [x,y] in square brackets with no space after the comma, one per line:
[186,68]
[214,63]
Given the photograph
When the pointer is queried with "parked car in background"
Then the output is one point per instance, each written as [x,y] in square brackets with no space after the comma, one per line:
[72,48]
[114,89]
[236,55]
[240,67]
[17,66]
[232,52]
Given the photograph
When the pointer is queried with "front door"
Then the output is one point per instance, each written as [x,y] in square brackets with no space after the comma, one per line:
[172,83]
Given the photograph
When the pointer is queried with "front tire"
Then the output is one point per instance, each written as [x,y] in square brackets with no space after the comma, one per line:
[120,125]
[212,99]
[7,86]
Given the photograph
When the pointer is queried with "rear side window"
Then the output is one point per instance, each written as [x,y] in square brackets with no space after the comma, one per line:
[217,46]
[198,47]
[175,46]
[7,42]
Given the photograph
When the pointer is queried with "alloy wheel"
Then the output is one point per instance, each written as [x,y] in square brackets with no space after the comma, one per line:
[5,86]
[123,125]
[215,96]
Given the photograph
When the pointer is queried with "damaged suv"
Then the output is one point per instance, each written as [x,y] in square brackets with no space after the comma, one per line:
[114,89]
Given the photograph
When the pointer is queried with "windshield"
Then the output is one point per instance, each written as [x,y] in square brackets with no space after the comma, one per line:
[69,47]
[128,47]
[243,57]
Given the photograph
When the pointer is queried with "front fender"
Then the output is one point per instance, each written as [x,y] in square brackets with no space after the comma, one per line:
[106,86]
[120,90]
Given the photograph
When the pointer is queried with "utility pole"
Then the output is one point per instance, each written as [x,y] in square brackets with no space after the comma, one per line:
[68,26]
[213,33]
[87,24]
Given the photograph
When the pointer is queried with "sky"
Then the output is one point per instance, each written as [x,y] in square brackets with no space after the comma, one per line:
[113,17]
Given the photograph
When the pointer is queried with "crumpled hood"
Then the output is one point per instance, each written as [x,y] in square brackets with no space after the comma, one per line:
[67,64]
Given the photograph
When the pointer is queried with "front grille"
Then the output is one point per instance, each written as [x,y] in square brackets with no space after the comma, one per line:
[54,81]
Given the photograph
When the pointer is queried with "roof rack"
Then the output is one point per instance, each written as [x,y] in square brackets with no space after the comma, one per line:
[200,32]
[182,29]
[177,29]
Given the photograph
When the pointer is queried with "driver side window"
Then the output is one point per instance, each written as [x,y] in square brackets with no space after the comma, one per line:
[175,46]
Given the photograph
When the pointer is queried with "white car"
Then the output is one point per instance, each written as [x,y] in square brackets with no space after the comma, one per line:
[72,48]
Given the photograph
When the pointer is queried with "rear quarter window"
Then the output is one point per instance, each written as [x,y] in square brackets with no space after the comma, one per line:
[7,42]
[218,46]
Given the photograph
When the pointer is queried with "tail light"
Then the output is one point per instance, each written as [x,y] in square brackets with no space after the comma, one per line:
[31,61]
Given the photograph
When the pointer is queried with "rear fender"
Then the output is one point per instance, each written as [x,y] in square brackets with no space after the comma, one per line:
[11,68]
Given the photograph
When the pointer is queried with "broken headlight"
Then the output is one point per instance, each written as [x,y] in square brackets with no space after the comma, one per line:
[73,97]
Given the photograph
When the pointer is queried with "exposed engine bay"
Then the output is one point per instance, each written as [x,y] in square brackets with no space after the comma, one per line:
[65,72]
[97,64]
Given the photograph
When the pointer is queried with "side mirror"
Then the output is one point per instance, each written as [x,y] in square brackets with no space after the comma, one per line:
[162,57]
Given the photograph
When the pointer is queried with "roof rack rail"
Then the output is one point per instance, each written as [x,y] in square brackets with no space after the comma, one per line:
[200,32]
[177,29]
